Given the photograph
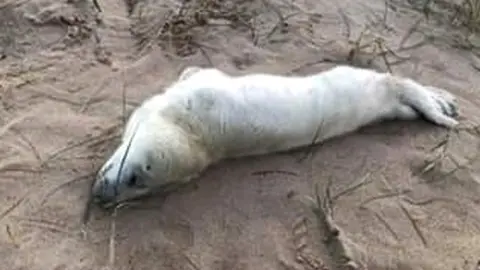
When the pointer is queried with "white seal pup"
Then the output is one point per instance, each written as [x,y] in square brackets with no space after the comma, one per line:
[208,115]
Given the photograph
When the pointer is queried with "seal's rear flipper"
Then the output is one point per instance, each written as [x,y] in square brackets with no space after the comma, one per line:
[437,106]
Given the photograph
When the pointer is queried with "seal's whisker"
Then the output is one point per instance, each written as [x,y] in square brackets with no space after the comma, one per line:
[122,162]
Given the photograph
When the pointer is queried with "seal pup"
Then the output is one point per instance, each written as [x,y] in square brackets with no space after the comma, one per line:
[208,115]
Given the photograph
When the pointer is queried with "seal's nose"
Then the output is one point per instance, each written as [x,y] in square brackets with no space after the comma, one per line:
[103,190]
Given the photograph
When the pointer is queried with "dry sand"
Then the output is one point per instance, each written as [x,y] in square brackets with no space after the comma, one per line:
[404,194]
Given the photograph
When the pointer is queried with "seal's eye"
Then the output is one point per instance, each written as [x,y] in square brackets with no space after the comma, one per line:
[148,167]
[132,181]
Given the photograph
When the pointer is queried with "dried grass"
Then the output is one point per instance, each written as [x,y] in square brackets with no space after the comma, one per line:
[177,30]
[469,14]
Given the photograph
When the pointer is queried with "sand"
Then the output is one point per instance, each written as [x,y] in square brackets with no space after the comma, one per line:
[402,195]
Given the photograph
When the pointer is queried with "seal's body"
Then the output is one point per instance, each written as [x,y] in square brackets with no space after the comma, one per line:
[208,115]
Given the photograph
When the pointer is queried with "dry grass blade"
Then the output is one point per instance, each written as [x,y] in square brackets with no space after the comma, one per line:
[17,166]
[6,127]
[341,247]
[97,5]
[88,141]
[113,232]
[92,95]
[383,196]
[385,12]
[409,33]
[309,149]
[346,22]
[281,24]
[124,101]
[111,246]
[364,181]
[414,224]
[369,46]
[11,236]
[12,4]
[90,200]
[263,173]
[387,225]
[190,262]
[182,25]
[312,63]
[383,54]
[416,45]
[32,147]
[471,14]
[429,201]
[407,214]
[55,95]
[57,188]
[13,206]
[281,20]
[124,158]
[46,225]
[442,147]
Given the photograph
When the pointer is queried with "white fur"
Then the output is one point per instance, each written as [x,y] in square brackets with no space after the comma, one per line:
[208,115]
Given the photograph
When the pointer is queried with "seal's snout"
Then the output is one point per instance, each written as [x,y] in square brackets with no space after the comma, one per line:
[103,190]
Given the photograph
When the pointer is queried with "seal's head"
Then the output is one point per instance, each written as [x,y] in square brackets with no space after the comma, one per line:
[156,155]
